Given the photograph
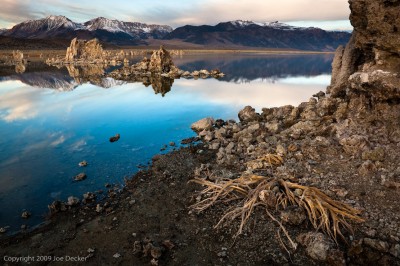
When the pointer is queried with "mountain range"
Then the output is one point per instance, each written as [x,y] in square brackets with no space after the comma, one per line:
[234,34]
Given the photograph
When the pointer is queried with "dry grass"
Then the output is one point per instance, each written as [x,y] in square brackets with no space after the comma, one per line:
[251,191]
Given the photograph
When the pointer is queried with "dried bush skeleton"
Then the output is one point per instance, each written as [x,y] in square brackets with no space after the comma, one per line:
[272,193]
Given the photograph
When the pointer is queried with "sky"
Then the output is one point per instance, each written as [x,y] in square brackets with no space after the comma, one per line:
[326,14]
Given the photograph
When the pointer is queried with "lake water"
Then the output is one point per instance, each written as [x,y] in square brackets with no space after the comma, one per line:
[50,121]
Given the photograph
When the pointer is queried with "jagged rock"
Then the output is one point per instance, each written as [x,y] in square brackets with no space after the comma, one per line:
[204,72]
[248,114]
[354,145]
[143,65]
[395,250]
[99,208]
[343,66]
[89,196]
[319,247]
[80,177]
[293,215]
[57,206]
[87,51]
[376,24]
[18,56]
[377,244]
[374,46]
[72,201]
[20,68]
[115,138]
[26,214]
[203,124]
[381,85]
[319,95]
[83,164]
[377,154]
[161,61]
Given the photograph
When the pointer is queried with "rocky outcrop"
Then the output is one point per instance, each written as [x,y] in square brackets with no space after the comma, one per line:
[18,56]
[16,59]
[161,61]
[203,124]
[86,51]
[370,63]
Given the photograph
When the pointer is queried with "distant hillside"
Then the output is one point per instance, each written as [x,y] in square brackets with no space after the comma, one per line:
[238,34]
[10,43]
[264,35]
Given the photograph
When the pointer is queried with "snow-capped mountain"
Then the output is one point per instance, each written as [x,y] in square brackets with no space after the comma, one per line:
[237,33]
[242,33]
[104,29]
[42,28]
[273,24]
[132,28]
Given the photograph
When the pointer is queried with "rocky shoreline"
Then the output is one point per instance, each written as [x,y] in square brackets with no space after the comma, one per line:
[345,145]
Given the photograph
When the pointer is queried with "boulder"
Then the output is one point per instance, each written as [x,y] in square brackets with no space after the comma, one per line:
[248,114]
[203,124]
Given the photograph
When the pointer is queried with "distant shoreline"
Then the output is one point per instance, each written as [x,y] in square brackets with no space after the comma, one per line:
[37,55]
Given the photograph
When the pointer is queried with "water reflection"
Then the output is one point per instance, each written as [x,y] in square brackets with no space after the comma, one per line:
[49,131]
[238,69]
[246,68]
[159,84]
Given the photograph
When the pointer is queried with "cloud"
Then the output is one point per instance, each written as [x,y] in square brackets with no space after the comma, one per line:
[278,92]
[17,104]
[12,11]
[266,10]
[178,13]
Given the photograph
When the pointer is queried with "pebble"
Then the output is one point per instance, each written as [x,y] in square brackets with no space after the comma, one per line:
[99,208]
[90,250]
[72,201]
[117,255]
[298,192]
[222,254]
[83,164]
[155,252]
[168,244]
[26,214]
[80,177]
[115,138]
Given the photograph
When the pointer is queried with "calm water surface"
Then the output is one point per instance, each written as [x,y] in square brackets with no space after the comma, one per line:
[50,121]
